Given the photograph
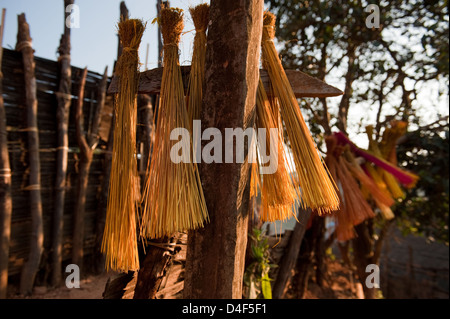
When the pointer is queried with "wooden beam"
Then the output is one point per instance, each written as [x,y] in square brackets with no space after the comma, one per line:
[302,84]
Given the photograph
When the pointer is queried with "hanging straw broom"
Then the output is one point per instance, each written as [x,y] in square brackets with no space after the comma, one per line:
[382,200]
[200,16]
[355,207]
[278,193]
[119,238]
[173,197]
[317,187]
[344,226]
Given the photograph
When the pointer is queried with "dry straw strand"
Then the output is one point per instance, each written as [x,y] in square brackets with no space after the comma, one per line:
[120,238]
[173,198]
[318,190]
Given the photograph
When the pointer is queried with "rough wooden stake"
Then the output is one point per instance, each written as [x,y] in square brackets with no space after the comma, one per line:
[31,266]
[87,146]
[64,99]
[216,253]
[153,270]
[5,183]
[290,256]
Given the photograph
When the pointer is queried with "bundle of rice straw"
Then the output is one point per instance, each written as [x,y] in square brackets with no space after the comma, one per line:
[405,177]
[354,209]
[278,193]
[382,200]
[318,191]
[119,238]
[392,185]
[200,16]
[344,227]
[173,197]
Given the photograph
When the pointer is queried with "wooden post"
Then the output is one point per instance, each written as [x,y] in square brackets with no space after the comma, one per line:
[290,256]
[64,99]
[31,266]
[216,253]
[5,183]
[87,146]
[123,16]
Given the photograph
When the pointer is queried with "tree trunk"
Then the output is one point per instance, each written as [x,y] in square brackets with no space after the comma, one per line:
[31,266]
[5,183]
[64,99]
[216,253]
[290,256]
[344,105]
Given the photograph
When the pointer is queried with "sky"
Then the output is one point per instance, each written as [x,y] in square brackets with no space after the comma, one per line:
[94,43]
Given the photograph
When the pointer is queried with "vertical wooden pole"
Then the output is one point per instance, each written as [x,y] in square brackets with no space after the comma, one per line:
[31,266]
[5,183]
[64,99]
[216,253]
[87,146]
[290,256]
[83,172]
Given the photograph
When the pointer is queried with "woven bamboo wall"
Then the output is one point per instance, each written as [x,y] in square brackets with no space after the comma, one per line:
[14,97]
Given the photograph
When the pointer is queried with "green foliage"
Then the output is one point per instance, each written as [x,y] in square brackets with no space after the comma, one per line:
[425,209]
[256,276]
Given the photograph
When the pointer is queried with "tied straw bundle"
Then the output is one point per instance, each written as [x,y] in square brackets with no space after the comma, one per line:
[318,191]
[382,200]
[173,196]
[200,16]
[391,184]
[278,193]
[354,208]
[120,239]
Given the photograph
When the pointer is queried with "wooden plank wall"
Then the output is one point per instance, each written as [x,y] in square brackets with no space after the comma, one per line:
[14,97]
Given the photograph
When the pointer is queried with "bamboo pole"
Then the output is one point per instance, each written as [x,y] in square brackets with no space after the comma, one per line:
[5,183]
[64,99]
[31,266]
